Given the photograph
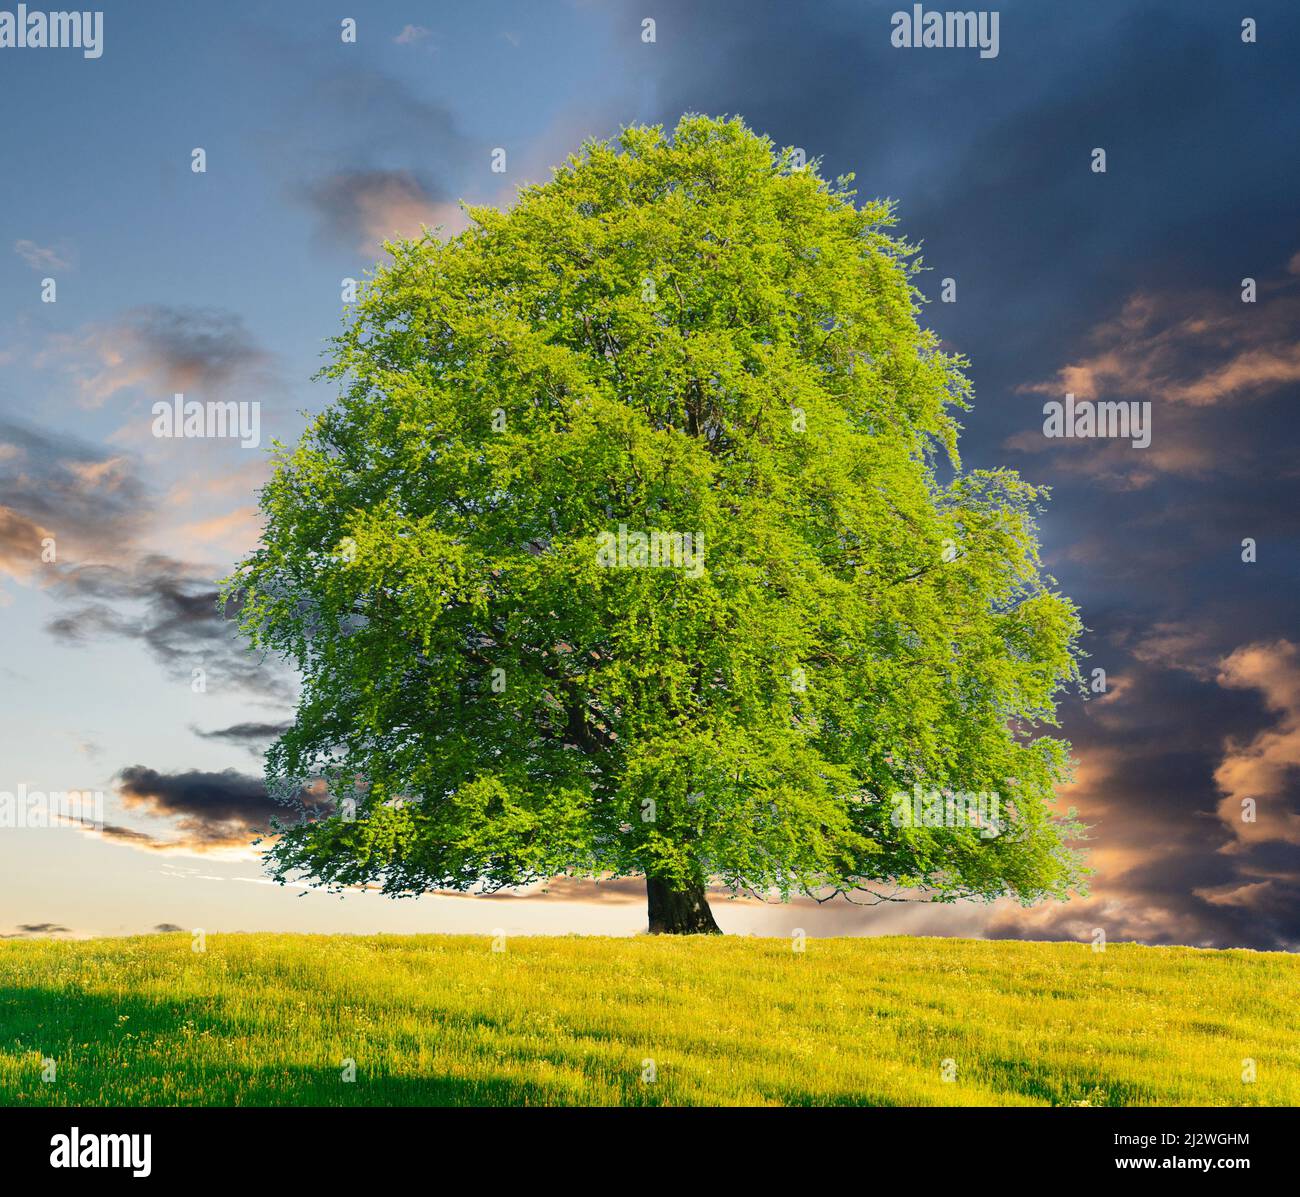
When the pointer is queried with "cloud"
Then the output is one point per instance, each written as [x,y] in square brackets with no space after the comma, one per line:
[210,812]
[40,931]
[253,736]
[36,931]
[411,35]
[20,544]
[1177,447]
[1196,348]
[174,610]
[51,484]
[162,350]
[1162,764]
[1196,357]
[60,256]
[362,208]
[237,482]
[1179,644]
[366,174]
[1264,767]
[214,798]
[237,531]
[94,505]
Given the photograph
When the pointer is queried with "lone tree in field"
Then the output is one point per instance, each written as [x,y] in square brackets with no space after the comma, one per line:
[638,543]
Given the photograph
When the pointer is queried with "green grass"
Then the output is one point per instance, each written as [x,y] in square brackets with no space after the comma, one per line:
[270,1019]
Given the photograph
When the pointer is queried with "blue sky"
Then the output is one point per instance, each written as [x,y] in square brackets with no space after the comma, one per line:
[226,285]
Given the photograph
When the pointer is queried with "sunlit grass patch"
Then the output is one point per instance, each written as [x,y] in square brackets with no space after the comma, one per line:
[273,1019]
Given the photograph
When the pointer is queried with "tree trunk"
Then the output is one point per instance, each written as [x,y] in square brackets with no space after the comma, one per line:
[679,911]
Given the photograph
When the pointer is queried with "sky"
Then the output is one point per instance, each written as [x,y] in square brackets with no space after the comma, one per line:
[1117,285]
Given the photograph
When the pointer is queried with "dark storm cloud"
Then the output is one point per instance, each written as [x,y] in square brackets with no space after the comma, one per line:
[206,811]
[175,611]
[214,799]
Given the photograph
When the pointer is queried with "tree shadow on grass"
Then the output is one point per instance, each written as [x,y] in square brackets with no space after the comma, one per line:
[131,1051]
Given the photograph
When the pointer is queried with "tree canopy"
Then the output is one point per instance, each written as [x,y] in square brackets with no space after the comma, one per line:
[638,542]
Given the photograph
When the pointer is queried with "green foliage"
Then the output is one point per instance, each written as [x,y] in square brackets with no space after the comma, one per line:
[682,334]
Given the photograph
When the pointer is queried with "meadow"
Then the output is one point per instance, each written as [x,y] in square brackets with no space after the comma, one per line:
[446,1020]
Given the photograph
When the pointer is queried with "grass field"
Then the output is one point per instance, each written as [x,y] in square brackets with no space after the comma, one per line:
[271,1019]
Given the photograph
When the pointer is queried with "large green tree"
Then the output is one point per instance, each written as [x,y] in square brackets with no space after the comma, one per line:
[684,333]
